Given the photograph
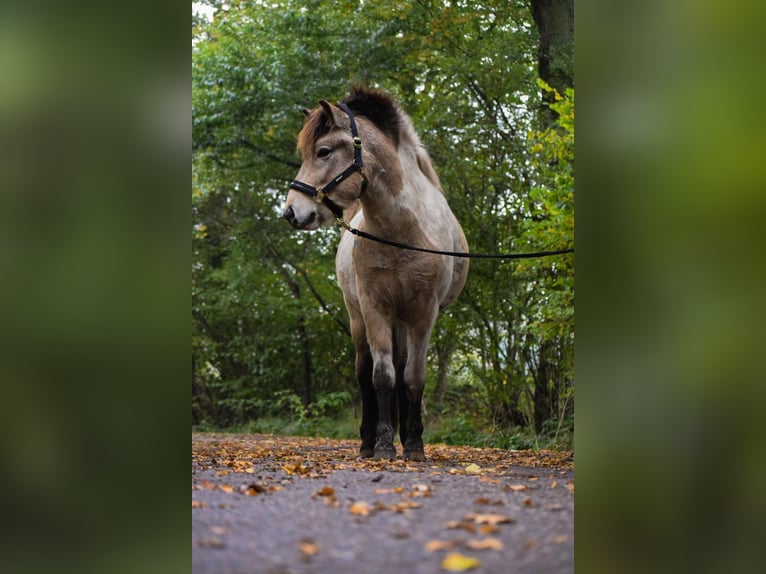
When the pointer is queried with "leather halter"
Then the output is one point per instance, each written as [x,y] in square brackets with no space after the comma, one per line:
[320,193]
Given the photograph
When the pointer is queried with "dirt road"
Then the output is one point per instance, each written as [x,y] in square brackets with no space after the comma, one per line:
[284,505]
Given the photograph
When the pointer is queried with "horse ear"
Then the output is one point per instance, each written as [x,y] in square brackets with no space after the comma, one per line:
[306,112]
[334,114]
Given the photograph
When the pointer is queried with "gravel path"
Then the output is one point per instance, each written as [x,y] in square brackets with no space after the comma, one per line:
[279,505]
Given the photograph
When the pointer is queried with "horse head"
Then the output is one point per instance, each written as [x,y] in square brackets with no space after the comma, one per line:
[330,179]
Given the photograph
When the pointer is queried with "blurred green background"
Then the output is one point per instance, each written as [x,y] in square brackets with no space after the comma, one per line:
[94,133]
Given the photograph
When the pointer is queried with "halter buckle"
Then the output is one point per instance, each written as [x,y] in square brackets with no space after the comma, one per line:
[319,197]
[357,142]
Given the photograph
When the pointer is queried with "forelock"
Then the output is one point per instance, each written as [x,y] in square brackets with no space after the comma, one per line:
[315,126]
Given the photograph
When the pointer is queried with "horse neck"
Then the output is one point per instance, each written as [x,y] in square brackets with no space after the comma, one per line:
[397,197]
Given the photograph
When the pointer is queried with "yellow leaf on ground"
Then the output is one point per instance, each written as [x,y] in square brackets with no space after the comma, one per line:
[456,562]
[226,488]
[473,468]
[199,504]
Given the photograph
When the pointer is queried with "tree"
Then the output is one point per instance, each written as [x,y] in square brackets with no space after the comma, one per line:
[267,315]
[555,54]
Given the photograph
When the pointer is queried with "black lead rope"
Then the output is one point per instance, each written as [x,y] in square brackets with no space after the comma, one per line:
[531,255]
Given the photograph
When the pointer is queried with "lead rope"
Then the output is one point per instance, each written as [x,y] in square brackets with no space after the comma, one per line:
[359,233]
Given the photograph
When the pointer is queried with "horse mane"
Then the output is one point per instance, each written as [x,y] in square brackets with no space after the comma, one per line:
[378,107]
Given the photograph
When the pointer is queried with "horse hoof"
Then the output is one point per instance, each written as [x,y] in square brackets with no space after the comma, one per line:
[415,455]
[385,454]
[365,452]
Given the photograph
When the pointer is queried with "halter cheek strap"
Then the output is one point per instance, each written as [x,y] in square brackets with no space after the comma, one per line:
[320,193]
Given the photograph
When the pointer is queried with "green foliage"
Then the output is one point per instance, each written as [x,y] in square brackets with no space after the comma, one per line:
[269,332]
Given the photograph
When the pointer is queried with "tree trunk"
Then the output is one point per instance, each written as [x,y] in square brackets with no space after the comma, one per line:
[307,390]
[542,388]
[443,356]
[555,56]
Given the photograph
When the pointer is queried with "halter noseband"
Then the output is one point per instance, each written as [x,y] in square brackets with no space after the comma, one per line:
[320,193]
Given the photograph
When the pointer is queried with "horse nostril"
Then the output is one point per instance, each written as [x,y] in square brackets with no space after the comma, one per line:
[311,218]
[289,214]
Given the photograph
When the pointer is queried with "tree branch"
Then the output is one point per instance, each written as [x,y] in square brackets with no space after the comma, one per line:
[268,155]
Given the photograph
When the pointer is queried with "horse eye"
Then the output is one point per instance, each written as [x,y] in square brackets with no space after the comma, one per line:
[323,152]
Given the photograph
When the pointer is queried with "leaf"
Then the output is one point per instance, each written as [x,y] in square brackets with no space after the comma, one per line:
[434,545]
[360,508]
[456,562]
[253,489]
[485,544]
[515,487]
[226,488]
[199,504]
[325,491]
[473,468]
[308,547]
[492,519]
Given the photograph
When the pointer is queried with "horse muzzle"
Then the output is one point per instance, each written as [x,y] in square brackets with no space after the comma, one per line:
[302,219]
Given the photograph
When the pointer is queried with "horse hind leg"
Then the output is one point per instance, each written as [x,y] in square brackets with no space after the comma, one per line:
[414,384]
[400,363]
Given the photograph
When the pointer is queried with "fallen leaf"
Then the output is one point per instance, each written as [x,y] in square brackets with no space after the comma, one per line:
[486,501]
[223,472]
[515,487]
[560,538]
[554,484]
[253,488]
[325,491]
[434,545]
[488,529]
[308,548]
[397,490]
[226,488]
[473,468]
[199,504]
[456,562]
[485,544]
[493,519]
[570,486]
[360,508]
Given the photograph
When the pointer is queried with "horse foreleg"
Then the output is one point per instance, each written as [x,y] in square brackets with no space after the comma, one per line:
[364,378]
[369,404]
[384,380]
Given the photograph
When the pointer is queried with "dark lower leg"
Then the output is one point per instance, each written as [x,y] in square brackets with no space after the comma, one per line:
[369,405]
[383,381]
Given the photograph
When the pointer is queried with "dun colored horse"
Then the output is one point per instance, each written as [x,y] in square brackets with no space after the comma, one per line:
[363,159]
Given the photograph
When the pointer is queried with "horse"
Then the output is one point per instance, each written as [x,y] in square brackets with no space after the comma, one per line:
[392,297]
